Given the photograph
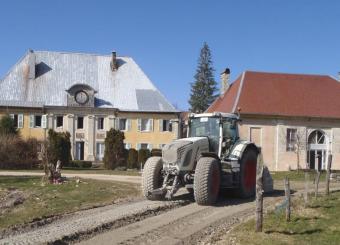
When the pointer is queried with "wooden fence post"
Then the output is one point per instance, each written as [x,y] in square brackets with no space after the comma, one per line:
[287,193]
[317,179]
[259,193]
[305,194]
[328,175]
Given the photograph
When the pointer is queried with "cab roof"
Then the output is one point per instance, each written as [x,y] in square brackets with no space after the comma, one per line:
[214,114]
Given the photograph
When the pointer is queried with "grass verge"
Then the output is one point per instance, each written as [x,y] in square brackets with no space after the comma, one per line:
[318,224]
[44,200]
[83,171]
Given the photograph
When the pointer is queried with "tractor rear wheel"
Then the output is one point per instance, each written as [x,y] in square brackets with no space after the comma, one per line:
[152,178]
[248,173]
[207,181]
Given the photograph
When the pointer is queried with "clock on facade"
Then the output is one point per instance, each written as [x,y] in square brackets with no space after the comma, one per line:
[81,97]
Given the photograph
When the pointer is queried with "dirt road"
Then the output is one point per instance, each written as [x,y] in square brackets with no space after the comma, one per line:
[121,178]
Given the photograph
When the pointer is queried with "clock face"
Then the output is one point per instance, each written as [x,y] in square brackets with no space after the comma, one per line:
[81,97]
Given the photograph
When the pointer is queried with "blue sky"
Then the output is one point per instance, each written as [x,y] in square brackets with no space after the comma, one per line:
[164,37]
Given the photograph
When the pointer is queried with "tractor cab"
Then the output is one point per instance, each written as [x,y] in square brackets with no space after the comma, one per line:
[220,129]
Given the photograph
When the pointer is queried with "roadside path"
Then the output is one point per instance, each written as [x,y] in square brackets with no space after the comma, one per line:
[121,178]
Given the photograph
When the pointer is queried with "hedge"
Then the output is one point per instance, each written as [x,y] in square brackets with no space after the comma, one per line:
[80,164]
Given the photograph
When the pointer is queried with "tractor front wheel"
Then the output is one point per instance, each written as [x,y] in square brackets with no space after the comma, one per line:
[152,178]
[207,181]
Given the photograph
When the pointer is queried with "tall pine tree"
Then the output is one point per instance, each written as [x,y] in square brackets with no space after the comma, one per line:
[204,88]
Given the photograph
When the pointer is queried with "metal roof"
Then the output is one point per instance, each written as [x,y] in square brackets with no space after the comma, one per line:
[127,88]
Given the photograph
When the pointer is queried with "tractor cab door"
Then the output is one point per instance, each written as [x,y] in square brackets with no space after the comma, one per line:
[230,133]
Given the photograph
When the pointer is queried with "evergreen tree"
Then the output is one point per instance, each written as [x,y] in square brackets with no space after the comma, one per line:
[204,88]
[114,149]
[7,126]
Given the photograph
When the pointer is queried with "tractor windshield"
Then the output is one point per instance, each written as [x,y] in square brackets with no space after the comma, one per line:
[204,126]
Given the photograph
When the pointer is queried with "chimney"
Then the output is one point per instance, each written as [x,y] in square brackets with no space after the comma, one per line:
[113,62]
[225,81]
[31,64]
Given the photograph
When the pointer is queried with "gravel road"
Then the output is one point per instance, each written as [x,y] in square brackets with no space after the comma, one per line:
[121,178]
[86,222]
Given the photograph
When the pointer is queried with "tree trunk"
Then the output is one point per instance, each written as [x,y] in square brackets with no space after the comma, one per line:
[317,179]
[259,193]
[306,188]
[329,163]
[287,193]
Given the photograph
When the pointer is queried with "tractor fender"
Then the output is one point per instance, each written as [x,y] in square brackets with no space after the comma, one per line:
[240,147]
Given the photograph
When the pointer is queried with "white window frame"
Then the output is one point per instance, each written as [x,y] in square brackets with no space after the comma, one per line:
[98,123]
[140,125]
[290,140]
[127,146]
[161,128]
[43,123]
[127,124]
[20,119]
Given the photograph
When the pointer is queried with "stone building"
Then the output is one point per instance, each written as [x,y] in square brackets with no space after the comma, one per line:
[294,118]
[86,95]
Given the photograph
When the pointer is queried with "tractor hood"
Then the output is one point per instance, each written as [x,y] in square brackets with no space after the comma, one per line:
[173,152]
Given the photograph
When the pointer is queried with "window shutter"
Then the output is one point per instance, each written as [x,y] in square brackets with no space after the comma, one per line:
[31,121]
[160,125]
[20,120]
[151,125]
[139,124]
[128,146]
[44,121]
[138,146]
[128,121]
[150,147]
[170,126]
[11,116]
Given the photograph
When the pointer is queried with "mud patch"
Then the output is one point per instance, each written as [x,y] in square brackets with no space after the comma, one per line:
[9,199]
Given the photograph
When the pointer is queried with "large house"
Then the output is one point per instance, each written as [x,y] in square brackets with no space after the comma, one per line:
[294,118]
[86,95]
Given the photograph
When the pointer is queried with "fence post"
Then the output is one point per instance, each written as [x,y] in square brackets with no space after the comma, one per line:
[259,193]
[328,175]
[305,194]
[287,194]
[317,179]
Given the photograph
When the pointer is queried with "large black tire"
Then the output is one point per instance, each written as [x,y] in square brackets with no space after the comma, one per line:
[207,181]
[152,178]
[248,173]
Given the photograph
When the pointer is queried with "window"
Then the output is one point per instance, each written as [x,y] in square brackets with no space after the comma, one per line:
[100,148]
[161,146]
[291,139]
[127,146]
[18,120]
[165,125]
[145,125]
[144,146]
[100,125]
[37,121]
[59,122]
[80,123]
[123,124]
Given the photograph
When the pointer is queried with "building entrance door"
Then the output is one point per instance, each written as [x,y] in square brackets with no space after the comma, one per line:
[80,150]
[317,150]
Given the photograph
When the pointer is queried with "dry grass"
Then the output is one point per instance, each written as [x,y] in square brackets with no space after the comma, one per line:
[44,200]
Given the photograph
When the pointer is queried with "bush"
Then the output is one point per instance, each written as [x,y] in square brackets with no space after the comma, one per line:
[16,153]
[143,155]
[156,152]
[80,164]
[7,126]
[132,160]
[58,147]
[114,149]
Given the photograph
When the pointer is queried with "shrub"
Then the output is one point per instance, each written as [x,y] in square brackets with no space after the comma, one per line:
[114,149]
[143,155]
[58,147]
[156,152]
[80,164]
[132,160]
[7,126]
[16,153]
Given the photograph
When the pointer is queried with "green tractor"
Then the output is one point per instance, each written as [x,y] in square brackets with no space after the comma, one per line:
[211,158]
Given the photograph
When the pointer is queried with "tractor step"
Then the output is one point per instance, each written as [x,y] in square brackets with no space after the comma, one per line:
[159,191]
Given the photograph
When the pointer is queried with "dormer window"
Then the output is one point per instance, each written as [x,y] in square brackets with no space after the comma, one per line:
[81,97]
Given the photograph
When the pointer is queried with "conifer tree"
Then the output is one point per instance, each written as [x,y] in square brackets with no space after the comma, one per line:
[204,87]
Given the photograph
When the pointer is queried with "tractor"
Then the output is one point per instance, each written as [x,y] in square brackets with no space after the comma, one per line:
[210,159]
